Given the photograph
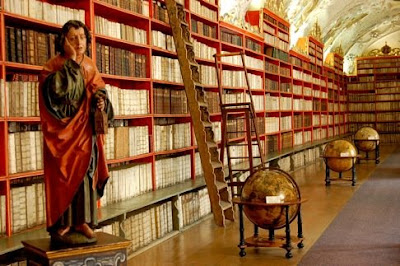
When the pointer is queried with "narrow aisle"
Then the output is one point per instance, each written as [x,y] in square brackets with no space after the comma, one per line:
[207,244]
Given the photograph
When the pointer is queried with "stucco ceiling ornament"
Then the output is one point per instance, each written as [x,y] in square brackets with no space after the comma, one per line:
[385,50]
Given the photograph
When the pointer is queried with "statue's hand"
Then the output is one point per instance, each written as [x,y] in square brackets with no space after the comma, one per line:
[69,50]
[100,103]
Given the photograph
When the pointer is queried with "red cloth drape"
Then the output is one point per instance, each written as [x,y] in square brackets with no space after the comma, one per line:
[67,144]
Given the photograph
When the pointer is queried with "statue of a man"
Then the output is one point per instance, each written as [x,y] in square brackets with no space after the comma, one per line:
[75,168]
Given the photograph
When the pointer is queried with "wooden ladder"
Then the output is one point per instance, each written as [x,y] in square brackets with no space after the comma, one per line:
[214,176]
[242,134]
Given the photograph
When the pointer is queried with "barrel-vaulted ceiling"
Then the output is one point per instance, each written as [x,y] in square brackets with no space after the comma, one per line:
[358,26]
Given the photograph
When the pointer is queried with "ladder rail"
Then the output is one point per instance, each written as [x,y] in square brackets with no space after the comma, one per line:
[247,109]
[214,176]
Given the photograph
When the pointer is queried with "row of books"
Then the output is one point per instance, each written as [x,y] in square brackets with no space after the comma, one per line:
[25,151]
[45,11]
[285,123]
[160,11]
[276,53]
[21,91]
[383,84]
[388,127]
[138,6]
[22,98]
[194,206]
[208,75]
[124,142]
[172,170]
[361,97]
[302,105]
[127,182]
[231,37]
[204,29]
[276,41]
[297,138]
[163,40]
[237,79]
[172,137]
[149,225]
[361,117]
[387,106]
[122,31]
[133,101]
[390,138]
[121,62]
[388,116]
[212,99]
[202,50]
[271,124]
[388,97]
[253,45]
[389,90]
[361,106]
[29,46]
[167,69]
[378,62]
[170,101]
[27,206]
[198,8]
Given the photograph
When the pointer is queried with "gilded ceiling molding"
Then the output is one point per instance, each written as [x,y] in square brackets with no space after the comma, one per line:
[277,7]
[385,50]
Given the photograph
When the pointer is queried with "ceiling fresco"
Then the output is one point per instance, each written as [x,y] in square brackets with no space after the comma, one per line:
[358,26]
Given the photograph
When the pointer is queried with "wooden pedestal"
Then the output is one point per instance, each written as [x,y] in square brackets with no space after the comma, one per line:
[108,250]
[286,241]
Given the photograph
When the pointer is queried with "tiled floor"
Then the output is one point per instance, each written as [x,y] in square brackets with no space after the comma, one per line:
[207,244]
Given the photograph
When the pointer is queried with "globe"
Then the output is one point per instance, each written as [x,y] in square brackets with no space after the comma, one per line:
[366,139]
[270,182]
[340,148]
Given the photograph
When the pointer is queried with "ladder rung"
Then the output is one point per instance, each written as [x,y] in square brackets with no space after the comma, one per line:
[207,124]
[225,205]
[212,144]
[220,185]
[216,165]
[236,184]
[227,54]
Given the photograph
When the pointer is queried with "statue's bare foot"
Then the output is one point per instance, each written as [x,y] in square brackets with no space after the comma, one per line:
[86,230]
[63,230]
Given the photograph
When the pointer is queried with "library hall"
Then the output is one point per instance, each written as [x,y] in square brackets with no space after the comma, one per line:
[199,132]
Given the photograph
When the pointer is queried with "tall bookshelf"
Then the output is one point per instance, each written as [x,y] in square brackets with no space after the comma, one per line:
[151,150]
[373,96]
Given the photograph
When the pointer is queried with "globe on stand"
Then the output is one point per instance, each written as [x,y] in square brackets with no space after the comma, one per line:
[270,182]
[340,156]
[271,200]
[366,139]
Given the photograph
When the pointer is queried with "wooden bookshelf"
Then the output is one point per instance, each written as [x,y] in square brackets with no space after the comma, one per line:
[373,96]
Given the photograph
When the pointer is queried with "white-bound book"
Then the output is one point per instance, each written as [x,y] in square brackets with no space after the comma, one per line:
[169,215]
[2,214]
[18,154]
[12,163]
[31,207]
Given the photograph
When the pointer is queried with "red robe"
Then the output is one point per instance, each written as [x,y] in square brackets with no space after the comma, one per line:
[67,145]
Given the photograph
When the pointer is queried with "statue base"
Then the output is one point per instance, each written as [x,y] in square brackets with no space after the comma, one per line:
[108,250]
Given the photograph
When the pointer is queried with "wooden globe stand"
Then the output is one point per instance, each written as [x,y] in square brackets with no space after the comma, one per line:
[282,241]
[328,177]
[367,158]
